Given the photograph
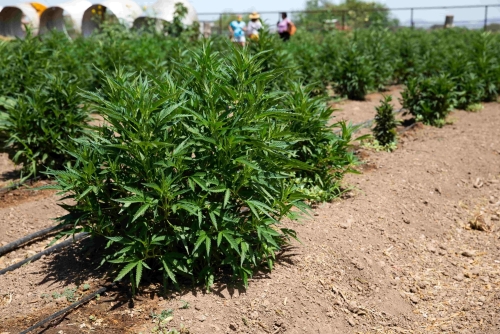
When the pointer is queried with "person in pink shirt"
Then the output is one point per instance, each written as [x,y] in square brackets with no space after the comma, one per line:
[284,27]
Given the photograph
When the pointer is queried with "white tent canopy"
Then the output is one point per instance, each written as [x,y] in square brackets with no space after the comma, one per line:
[163,10]
[13,19]
[125,11]
[53,17]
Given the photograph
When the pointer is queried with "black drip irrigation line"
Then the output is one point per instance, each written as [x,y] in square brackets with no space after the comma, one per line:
[336,99]
[45,252]
[409,127]
[15,244]
[67,309]
[18,184]
[369,122]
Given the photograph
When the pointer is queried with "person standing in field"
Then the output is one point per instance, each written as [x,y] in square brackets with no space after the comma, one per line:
[254,26]
[285,27]
[237,29]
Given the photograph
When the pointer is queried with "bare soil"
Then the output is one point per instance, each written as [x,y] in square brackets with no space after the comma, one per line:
[25,193]
[8,171]
[22,212]
[413,248]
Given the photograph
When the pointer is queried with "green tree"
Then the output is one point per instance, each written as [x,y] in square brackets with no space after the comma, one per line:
[354,14]
[224,20]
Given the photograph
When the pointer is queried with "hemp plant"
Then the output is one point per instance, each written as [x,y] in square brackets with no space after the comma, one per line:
[430,99]
[189,174]
[384,131]
[192,171]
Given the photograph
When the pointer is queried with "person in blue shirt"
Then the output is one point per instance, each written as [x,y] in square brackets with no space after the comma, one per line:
[237,29]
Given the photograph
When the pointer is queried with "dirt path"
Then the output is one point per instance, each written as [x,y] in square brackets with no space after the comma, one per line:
[396,255]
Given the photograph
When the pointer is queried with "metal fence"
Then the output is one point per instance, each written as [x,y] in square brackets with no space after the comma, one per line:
[485,17]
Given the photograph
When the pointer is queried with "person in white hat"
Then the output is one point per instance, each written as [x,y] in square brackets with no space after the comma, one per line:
[254,26]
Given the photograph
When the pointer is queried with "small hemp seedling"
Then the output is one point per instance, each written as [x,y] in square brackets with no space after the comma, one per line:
[70,295]
[185,305]
[474,107]
[165,314]
[385,125]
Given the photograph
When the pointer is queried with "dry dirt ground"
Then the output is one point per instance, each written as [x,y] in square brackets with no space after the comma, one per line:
[414,247]
[7,170]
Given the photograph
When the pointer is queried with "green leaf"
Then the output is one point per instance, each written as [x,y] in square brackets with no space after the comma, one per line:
[115,239]
[130,200]
[168,271]
[208,243]
[126,270]
[244,250]
[226,197]
[200,240]
[247,163]
[141,211]
[138,273]
[232,242]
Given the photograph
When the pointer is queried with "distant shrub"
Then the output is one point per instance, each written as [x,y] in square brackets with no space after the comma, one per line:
[430,99]
[378,49]
[354,75]
[407,57]
[38,124]
[468,84]
[487,64]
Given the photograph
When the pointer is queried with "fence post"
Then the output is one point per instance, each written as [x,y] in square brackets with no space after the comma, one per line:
[412,23]
[343,20]
[220,24]
[485,18]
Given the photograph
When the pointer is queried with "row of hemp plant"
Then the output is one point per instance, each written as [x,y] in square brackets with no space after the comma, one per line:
[350,64]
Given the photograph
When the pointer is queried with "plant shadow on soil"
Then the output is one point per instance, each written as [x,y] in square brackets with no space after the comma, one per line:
[78,265]
[10,175]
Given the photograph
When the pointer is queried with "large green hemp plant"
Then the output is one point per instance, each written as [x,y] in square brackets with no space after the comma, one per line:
[189,173]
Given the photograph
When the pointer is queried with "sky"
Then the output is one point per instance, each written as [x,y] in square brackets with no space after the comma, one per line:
[204,6]
[211,6]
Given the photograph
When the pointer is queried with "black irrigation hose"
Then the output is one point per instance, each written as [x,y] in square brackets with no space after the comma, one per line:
[67,309]
[369,122]
[408,128]
[18,184]
[336,99]
[45,252]
[15,244]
